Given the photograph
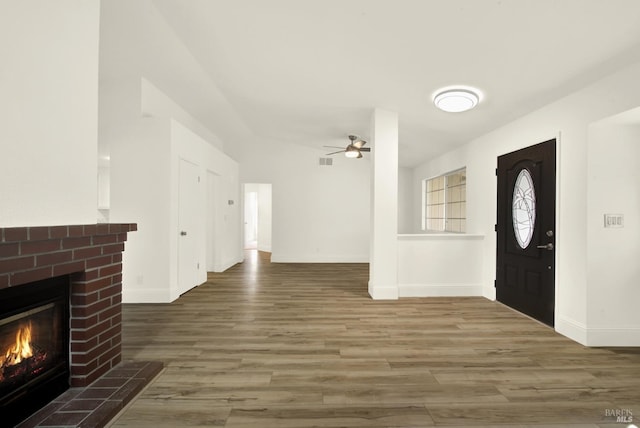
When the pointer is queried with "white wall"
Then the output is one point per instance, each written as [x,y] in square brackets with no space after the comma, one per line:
[613,187]
[141,193]
[405,201]
[145,189]
[438,264]
[319,213]
[137,42]
[49,112]
[140,56]
[568,119]
[156,103]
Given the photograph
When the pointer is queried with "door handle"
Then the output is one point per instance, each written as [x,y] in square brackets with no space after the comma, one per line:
[183,233]
[548,246]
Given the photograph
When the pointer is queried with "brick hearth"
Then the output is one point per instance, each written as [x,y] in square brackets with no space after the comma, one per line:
[92,256]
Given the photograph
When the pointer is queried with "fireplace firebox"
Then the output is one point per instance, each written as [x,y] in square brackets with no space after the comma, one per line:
[34,346]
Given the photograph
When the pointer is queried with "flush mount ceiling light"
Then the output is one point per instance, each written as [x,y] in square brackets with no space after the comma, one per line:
[456,100]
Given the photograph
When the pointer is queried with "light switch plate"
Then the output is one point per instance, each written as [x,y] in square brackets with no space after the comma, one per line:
[613,220]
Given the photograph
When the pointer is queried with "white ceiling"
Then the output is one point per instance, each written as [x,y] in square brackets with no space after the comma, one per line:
[311,71]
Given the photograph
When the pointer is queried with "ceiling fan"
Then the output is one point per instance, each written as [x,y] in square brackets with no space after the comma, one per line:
[354,149]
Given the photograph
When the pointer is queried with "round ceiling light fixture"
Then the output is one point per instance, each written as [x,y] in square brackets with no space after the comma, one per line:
[456,100]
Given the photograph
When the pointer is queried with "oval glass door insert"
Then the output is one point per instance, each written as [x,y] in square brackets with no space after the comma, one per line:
[524,208]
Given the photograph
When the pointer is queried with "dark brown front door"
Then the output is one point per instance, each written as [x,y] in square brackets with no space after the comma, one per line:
[526,230]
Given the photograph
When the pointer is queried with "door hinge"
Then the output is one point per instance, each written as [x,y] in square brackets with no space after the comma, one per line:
[496,172]
[198,265]
[495,283]
[495,227]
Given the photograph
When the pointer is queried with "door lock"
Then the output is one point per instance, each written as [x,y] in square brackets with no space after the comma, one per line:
[548,246]
[183,233]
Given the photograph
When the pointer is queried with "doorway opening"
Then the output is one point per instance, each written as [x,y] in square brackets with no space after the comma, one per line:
[251,220]
[257,216]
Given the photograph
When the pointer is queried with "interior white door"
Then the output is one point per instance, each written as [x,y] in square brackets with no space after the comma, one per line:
[188,263]
[211,222]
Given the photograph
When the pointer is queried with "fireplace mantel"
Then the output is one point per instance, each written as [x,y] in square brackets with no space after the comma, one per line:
[92,255]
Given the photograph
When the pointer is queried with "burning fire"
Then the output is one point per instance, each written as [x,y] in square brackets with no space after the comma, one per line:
[21,349]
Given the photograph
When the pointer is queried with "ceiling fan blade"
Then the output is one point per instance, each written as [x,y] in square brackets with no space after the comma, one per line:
[365,149]
[358,144]
[359,155]
[333,153]
[333,147]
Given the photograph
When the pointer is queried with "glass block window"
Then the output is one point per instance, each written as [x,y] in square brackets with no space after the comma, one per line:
[445,202]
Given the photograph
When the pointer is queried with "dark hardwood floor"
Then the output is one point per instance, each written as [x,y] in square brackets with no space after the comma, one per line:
[303,345]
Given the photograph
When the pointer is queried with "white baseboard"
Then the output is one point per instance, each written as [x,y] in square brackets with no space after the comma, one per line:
[597,336]
[318,258]
[607,336]
[146,295]
[572,329]
[439,290]
[383,292]
[489,292]
[221,267]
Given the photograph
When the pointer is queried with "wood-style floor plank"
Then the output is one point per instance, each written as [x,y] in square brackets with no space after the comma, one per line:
[303,345]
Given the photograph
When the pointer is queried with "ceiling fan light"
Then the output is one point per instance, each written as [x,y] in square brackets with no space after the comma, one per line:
[352,152]
[456,100]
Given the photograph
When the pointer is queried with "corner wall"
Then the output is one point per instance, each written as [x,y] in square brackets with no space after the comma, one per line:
[613,187]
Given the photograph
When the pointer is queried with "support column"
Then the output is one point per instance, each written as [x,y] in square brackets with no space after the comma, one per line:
[383,260]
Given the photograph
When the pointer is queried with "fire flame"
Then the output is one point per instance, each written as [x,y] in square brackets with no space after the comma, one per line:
[21,349]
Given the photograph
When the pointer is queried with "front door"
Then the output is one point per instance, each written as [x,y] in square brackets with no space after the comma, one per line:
[525,232]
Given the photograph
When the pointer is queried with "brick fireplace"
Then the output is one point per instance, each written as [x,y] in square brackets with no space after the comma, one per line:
[92,256]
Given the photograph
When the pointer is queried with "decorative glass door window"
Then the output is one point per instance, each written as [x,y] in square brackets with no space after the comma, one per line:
[524,208]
